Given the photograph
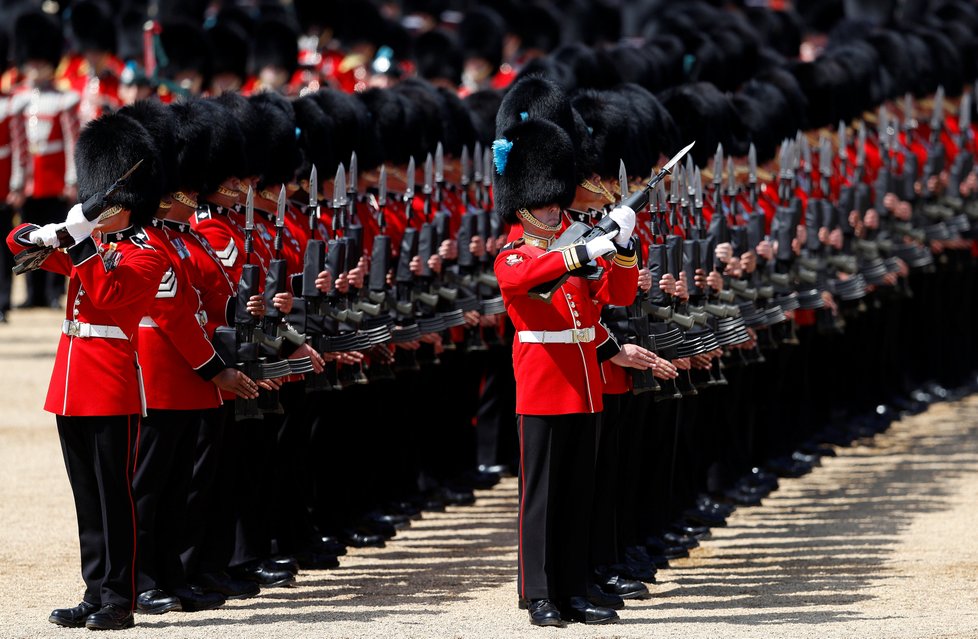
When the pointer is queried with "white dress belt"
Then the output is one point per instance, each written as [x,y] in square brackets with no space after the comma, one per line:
[74,328]
[568,336]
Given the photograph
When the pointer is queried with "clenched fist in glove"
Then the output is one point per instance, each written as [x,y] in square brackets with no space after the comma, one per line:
[78,226]
[47,235]
[624,217]
[600,246]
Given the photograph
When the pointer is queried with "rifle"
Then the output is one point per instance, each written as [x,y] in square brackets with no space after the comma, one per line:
[94,208]
[276,280]
[246,344]
[316,307]
[405,304]
[581,233]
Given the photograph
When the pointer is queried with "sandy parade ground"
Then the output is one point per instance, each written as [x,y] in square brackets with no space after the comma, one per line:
[879,541]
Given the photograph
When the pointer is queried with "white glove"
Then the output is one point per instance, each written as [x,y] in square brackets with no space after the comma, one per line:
[78,226]
[47,235]
[600,246]
[625,218]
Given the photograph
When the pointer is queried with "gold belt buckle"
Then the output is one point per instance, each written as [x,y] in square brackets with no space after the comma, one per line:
[74,328]
[580,335]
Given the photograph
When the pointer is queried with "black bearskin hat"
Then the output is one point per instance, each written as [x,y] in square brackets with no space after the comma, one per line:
[281,155]
[249,124]
[607,117]
[533,164]
[458,128]
[37,36]
[158,121]
[481,32]
[483,105]
[275,44]
[186,46]
[653,131]
[706,115]
[438,56]
[352,128]
[538,27]
[315,138]
[540,97]
[229,42]
[91,26]
[108,147]
[392,114]
[208,146]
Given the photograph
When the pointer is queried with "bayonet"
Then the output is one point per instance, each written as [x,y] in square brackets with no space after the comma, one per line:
[486,164]
[752,175]
[698,189]
[622,179]
[353,183]
[280,209]
[249,219]
[964,119]
[439,164]
[909,117]
[313,198]
[937,115]
[382,187]
[409,185]
[339,199]
[718,167]
[825,164]
[731,178]
[382,198]
[439,171]
[465,176]
[339,188]
[427,187]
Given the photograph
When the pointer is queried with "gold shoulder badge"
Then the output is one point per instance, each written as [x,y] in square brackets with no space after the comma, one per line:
[514,259]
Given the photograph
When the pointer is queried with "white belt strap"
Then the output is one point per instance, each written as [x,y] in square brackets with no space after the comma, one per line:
[569,336]
[4,152]
[72,328]
[45,147]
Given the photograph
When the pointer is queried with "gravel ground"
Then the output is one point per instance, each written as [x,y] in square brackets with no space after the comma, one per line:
[877,542]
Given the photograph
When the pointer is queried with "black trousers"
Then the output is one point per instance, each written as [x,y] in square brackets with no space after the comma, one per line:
[209,534]
[556,487]
[162,481]
[604,513]
[99,454]
[44,287]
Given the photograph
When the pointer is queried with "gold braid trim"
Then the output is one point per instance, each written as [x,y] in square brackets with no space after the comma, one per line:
[185,199]
[526,215]
[626,262]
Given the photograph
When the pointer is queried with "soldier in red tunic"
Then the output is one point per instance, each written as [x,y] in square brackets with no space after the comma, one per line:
[555,357]
[45,128]
[96,389]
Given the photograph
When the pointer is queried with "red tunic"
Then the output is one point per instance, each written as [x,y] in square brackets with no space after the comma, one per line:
[178,359]
[559,379]
[44,142]
[109,285]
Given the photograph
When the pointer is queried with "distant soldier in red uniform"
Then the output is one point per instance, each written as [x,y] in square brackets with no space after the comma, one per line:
[92,69]
[43,179]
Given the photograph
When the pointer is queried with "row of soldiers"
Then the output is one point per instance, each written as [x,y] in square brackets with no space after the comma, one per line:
[257,254]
